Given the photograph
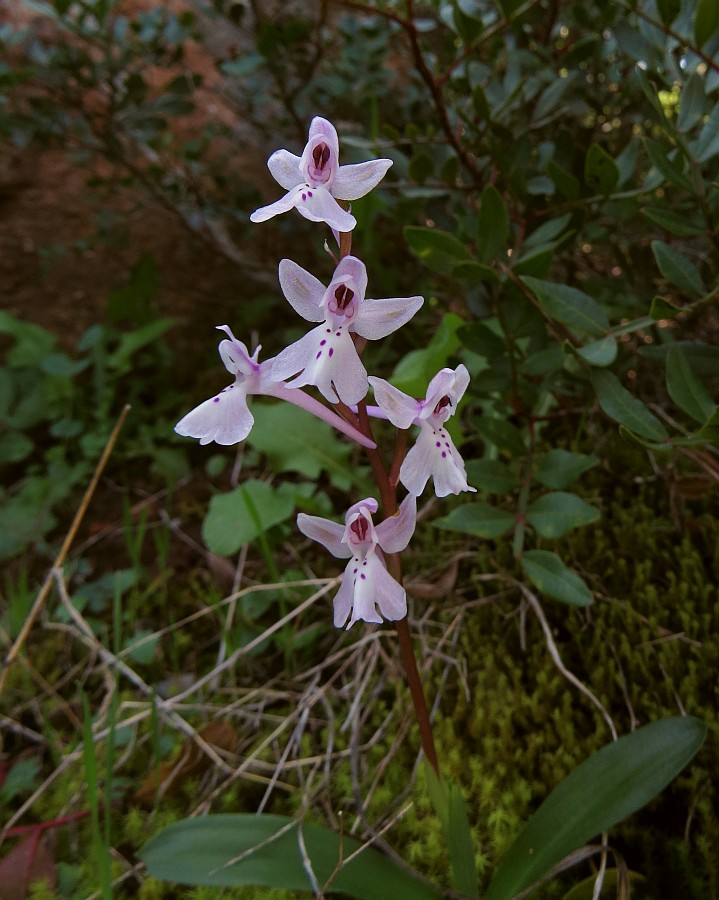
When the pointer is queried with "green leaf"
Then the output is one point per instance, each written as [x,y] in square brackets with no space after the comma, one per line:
[229,850]
[491,476]
[707,144]
[478,519]
[549,575]
[599,353]
[133,341]
[14,447]
[607,787]
[548,231]
[438,250]
[685,389]
[622,406]
[240,516]
[670,170]
[691,102]
[558,468]
[449,805]
[668,10]
[553,515]
[469,272]
[565,182]
[672,222]
[570,306]
[676,268]
[706,22]
[295,441]
[663,308]
[492,226]
[413,373]
[601,173]
[710,429]
[507,438]
[33,342]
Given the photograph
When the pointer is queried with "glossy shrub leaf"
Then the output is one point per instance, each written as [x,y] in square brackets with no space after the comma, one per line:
[438,250]
[607,787]
[559,468]
[600,171]
[413,373]
[243,849]
[685,389]
[706,22]
[599,353]
[673,222]
[554,514]
[550,576]
[492,226]
[668,10]
[691,102]
[676,268]
[478,519]
[669,165]
[570,306]
[626,409]
[240,516]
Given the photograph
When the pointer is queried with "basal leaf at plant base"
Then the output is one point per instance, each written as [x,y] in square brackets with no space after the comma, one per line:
[240,516]
[295,441]
[201,851]
[558,512]
[685,389]
[478,519]
[607,787]
[558,468]
[549,575]
[622,406]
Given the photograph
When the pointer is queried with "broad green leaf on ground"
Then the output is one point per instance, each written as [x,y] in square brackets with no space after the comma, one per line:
[549,575]
[240,516]
[413,373]
[33,342]
[245,849]
[570,306]
[438,250]
[558,468]
[295,441]
[478,519]
[685,389]
[622,406]
[676,268]
[490,475]
[607,787]
[556,513]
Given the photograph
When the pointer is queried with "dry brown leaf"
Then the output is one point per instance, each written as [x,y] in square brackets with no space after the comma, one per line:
[192,761]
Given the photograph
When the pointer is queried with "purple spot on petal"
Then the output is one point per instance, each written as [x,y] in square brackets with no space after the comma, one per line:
[322,343]
[363,576]
[318,355]
[216,400]
[438,444]
[309,193]
[354,571]
[328,330]
[331,350]
[304,196]
[338,334]
[444,455]
[447,446]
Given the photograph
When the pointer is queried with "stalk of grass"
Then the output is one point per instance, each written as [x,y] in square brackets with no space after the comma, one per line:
[100,845]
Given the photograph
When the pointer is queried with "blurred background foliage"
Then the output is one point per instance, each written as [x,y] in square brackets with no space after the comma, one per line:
[554,196]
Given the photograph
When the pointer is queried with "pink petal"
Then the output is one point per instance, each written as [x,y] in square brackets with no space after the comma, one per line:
[395,532]
[342,602]
[324,128]
[279,206]
[224,419]
[285,169]
[400,409]
[320,206]
[303,291]
[325,532]
[355,181]
[294,358]
[378,318]
[417,467]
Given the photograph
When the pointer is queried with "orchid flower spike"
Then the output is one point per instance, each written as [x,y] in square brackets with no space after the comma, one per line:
[367,591]
[434,453]
[316,180]
[226,418]
[326,356]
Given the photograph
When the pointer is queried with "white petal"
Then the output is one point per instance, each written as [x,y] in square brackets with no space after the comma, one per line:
[325,128]
[350,266]
[396,531]
[285,169]
[400,409]
[343,599]
[319,205]
[369,503]
[355,181]
[378,589]
[294,358]
[378,318]
[348,374]
[303,291]
[279,206]
[450,476]
[440,386]
[325,532]
[417,466]
[225,419]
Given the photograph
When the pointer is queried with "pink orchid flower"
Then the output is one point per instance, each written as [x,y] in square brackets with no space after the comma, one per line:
[316,181]
[367,591]
[434,454]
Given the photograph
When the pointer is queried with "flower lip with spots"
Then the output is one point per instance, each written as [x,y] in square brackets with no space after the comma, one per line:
[315,181]
[326,356]
[368,591]
[434,454]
